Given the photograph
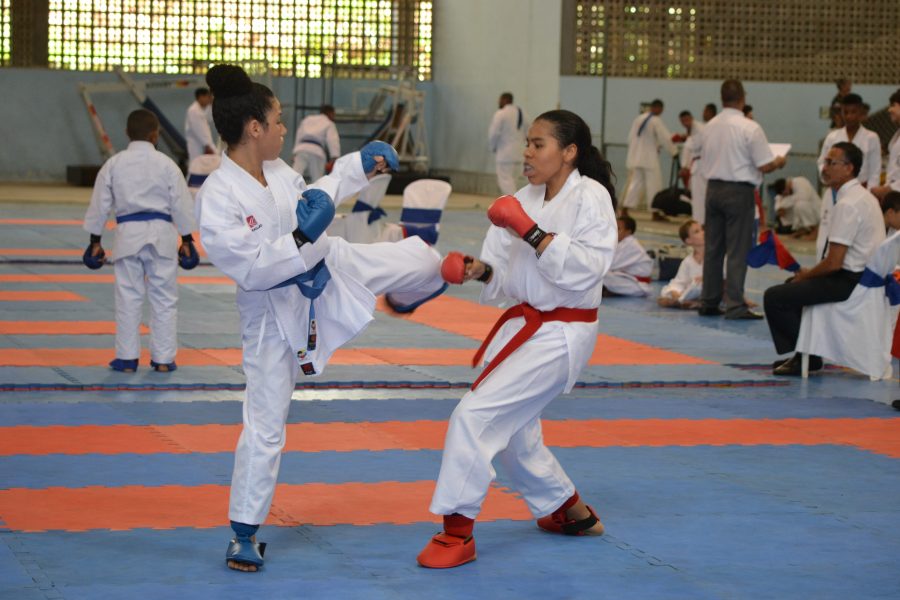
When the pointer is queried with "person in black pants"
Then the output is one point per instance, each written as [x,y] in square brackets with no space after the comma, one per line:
[852,227]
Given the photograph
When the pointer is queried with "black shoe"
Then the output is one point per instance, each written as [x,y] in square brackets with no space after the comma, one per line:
[706,311]
[779,362]
[747,315]
[793,366]
[896,404]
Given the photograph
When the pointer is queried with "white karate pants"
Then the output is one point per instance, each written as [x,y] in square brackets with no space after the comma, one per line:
[698,198]
[311,166]
[646,180]
[271,367]
[501,418]
[146,274]
[506,177]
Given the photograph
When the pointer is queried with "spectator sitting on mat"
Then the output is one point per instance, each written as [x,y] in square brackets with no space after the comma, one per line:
[683,291]
[629,274]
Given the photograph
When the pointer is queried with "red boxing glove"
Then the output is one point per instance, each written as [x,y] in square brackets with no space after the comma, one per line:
[453,267]
[507,211]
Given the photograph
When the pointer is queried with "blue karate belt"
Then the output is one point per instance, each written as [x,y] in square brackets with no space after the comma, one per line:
[311,284]
[196,180]
[148,215]
[871,279]
[317,142]
[374,213]
[429,216]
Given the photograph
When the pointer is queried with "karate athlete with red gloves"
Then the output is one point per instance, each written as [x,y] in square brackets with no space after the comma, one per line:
[546,255]
[301,294]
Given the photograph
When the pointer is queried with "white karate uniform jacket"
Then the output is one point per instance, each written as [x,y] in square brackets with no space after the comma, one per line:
[629,262]
[141,179]
[643,149]
[505,136]
[197,131]
[803,204]
[321,134]
[867,141]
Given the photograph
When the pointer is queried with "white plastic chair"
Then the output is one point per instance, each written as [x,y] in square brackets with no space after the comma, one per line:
[423,205]
[857,332]
[359,226]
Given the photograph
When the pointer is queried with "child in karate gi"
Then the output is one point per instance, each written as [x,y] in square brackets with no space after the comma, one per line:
[683,291]
[547,253]
[629,274]
[301,294]
[147,192]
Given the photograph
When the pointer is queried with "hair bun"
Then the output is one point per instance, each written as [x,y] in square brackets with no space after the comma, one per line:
[228,80]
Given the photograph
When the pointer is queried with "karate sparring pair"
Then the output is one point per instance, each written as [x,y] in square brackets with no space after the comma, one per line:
[147,192]
[301,294]
[546,254]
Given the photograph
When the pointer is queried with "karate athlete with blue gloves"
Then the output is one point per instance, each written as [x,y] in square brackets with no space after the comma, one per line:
[546,254]
[301,294]
[148,194]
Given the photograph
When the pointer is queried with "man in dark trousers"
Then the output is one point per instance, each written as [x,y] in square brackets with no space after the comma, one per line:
[735,156]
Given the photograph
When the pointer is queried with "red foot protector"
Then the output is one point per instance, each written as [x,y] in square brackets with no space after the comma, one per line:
[453,267]
[557,522]
[445,551]
[452,547]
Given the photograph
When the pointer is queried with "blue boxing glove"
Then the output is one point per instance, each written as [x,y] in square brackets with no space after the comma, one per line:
[379,148]
[315,211]
[94,261]
[188,258]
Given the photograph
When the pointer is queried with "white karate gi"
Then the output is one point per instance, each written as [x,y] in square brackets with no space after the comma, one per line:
[892,174]
[246,230]
[501,417]
[690,156]
[642,162]
[688,281]
[631,263]
[865,140]
[506,136]
[802,205]
[142,179]
[197,131]
[316,143]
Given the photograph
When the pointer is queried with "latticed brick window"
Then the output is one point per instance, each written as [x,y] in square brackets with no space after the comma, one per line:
[763,40]
[5,32]
[342,38]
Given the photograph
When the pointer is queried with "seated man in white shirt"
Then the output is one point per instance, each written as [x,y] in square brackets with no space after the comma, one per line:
[629,274]
[850,231]
[797,206]
[683,291]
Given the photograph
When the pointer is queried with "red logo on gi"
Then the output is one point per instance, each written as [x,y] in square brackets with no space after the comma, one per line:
[253,223]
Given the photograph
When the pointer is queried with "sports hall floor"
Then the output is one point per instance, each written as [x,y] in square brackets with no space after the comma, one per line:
[713,478]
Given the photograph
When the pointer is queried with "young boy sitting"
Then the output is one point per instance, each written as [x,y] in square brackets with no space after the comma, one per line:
[629,274]
[683,291]
[890,206]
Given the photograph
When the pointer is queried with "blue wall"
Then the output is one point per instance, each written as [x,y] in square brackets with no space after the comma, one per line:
[46,125]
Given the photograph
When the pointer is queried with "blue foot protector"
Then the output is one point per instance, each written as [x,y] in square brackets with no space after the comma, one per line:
[169,366]
[124,365]
[242,549]
[404,309]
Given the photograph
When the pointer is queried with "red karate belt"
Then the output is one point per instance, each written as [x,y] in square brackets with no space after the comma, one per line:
[642,279]
[533,321]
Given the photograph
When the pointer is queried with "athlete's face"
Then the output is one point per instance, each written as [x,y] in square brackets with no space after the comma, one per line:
[544,157]
[894,112]
[271,137]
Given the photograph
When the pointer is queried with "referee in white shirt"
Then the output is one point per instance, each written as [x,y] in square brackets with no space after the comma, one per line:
[735,156]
